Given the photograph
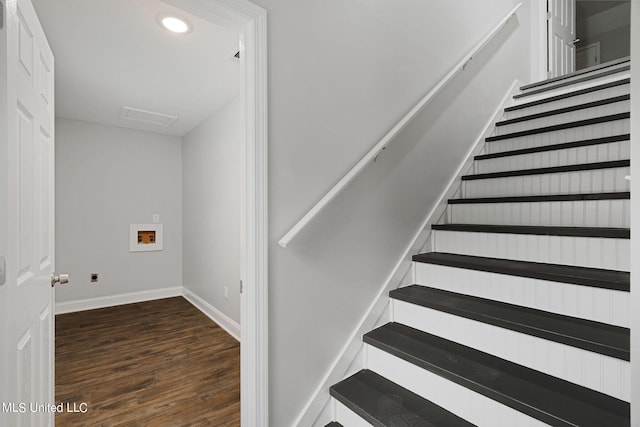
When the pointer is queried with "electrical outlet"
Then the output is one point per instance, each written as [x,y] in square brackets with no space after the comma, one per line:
[94,277]
[226,292]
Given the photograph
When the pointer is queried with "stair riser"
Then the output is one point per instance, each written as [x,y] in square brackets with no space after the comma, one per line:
[612,254]
[589,181]
[591,303]
[556,119]
[571,156]
[582,213]
[580,133]
[588,369]
[473,407]
[346,417]
[530,96]
[569,102]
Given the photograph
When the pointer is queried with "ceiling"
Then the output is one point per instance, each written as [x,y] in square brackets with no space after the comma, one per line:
[113,53]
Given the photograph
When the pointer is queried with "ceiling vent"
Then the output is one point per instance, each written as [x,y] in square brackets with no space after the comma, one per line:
[138,115]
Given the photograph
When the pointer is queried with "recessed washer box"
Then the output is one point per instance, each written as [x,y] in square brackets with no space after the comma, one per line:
[145,237]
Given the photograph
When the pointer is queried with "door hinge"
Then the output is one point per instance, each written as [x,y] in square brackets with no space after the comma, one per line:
[3,271]
[1,15]
[241,286]
[548,16]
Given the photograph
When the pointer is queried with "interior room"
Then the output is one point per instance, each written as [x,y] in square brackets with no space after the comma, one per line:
[148,160]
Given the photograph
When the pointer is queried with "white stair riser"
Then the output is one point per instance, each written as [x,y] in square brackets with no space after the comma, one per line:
[589,181]
[465,403]
[570,88]
[571,156]
[612,254]
[588,369]
[570,101]
[586,302]
[571,116]
[580,133]
[346,417]
[579,213]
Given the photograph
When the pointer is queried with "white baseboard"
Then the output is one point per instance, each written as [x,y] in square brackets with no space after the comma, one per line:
[224,321]
[314,411]
[119,299]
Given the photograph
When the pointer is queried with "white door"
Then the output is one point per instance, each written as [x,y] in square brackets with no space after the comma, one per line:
[562,36]
[26,218]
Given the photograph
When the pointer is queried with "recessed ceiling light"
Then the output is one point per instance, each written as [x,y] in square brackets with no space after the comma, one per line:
[174,24]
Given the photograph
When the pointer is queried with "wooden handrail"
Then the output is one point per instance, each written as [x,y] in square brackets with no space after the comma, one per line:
[390,136]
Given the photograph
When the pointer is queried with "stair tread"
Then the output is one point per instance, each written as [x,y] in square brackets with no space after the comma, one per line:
[567,125]
[621,195]
[564,83]
[383,403]
[603,232]
[585,276]
[559,97]
[578,72]
[552,169]
[585,334]
[554,147]
[544,397]
[563,110]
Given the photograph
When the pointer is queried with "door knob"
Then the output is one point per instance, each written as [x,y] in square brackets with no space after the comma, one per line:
[61,279]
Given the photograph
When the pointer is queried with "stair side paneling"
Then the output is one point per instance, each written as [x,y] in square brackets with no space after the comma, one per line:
[588,369]
[591,303]
[571,156]
[590,96]
[577,182]
[579,213]
[579,133]
[556,119]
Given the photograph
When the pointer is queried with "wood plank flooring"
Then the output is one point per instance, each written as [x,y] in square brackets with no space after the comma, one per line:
[156,363]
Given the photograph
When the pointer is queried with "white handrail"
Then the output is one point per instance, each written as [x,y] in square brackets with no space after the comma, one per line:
[377,149]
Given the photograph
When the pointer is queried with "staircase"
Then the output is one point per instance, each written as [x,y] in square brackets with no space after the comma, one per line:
[519,316]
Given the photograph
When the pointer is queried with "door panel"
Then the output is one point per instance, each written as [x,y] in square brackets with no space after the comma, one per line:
[27,138]
[562,35]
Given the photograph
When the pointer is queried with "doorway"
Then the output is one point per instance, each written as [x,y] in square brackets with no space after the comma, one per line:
[585,33]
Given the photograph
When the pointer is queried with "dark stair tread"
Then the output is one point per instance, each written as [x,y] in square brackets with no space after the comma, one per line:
[334,424]
[564,83]
[585,334]
[579,92]
[568,125]
[553,147]
[622,195]
[603,232]
[553,169]
[384,403]
[544,397]
[577,73]
[585,276]
[563,110]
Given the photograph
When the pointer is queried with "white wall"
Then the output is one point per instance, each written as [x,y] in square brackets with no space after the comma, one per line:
[106,179]
[211,184]
[341,74]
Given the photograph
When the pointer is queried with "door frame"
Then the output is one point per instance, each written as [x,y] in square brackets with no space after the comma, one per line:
[250,21]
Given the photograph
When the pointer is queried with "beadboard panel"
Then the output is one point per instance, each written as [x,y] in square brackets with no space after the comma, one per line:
[572,156]
[580,133]
[612,254]
[579,366]
[579,213]
[589,181]
[347,417]
[571,101]
[571,116]
[467,404]
[570,88]
[591,303]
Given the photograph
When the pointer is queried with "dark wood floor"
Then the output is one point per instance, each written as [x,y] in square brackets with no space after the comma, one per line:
[157,363]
